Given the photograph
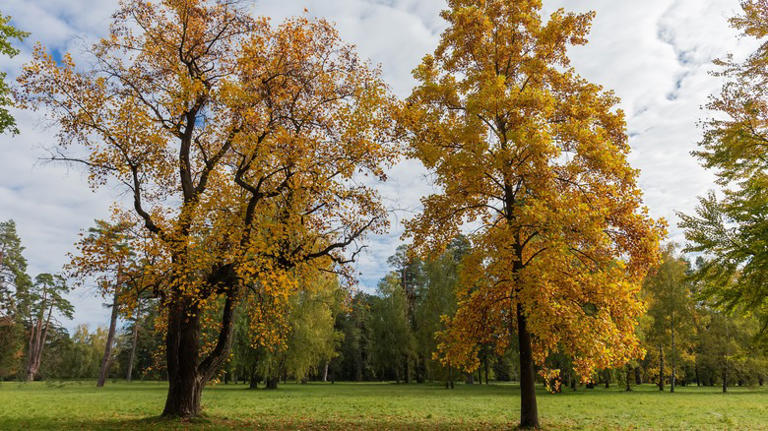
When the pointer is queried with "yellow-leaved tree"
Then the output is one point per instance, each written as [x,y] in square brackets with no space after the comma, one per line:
[241,146]
[534,159]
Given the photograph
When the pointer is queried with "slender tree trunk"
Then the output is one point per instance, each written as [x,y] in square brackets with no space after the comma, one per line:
[134,341]
[661,368]
[529,415]
[325,372]
[486,369]
[407,369]
[107,359]
[725,378]
[696,373]
[674,363]
[38,343]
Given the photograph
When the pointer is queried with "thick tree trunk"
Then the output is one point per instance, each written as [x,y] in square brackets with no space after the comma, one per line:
[187,373]
[529,415]
[272,382]
[134,341]
[185,384]
[629,378]
[106,361]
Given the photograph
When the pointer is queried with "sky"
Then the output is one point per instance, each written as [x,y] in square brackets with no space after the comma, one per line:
[655,55]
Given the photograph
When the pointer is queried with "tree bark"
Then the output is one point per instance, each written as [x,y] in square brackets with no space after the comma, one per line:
[325,372]
[106,361]
[187,374]
[529,415]
[134,341]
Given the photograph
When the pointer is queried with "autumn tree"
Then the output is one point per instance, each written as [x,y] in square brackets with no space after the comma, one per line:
[243,148]
[7,34]
[534,159]
[115,256]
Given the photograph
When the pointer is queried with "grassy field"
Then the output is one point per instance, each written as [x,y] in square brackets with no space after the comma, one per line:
[80,405]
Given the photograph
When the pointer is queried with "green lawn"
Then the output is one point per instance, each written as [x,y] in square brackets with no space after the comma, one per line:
[80,405]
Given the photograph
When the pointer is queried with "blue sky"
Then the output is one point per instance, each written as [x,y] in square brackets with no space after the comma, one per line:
[655,54]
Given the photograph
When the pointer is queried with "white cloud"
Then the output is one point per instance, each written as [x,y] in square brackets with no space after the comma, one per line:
[655,54]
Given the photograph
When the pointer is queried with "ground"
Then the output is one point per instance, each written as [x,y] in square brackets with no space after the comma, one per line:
[316,406]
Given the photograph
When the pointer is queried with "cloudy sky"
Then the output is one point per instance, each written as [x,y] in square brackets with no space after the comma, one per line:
[655,54]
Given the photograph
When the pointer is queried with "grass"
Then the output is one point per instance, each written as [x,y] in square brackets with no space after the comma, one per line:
[123,406]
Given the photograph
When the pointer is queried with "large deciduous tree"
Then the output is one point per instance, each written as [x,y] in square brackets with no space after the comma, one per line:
[732,231]
[534,159]
[244,149]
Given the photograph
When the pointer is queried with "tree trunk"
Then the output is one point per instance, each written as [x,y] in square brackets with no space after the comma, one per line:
[106,361]
[725,378]
[272,382]
[134,341]
[325,372]
[486,369]
[661,368]
[185,384]
[629,378]
[407,369]
[529,415]
[696,373]
[187,374]
[672,360]
[37,342]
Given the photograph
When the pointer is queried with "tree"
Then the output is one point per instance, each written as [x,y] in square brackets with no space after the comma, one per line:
[731,230]
[239,144]
[14,288]
[7,33]
[438,300]
[534,159]
[111,253]
[390,331]
[46,301]
[671,309]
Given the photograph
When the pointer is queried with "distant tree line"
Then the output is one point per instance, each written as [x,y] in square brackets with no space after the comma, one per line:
[337,334]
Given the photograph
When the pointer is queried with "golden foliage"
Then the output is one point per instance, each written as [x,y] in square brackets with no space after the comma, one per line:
[533,159]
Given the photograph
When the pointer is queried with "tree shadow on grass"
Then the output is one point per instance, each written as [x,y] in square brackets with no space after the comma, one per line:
[219,423]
